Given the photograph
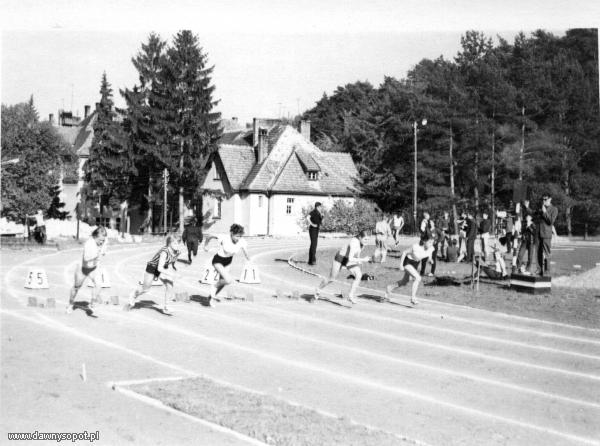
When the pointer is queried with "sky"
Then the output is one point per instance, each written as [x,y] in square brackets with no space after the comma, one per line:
[271,58]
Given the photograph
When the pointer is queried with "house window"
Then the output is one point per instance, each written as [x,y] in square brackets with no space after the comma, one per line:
[313,175]
[260,201]
[218,208]
[288,208]
[217,173]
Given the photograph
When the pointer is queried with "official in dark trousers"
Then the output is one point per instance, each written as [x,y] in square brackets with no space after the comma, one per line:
[547,217]
[314,220]
[471,236]
[192,236]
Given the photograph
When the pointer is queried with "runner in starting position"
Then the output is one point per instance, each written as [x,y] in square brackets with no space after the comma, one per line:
[93,249]
[158,267]
[228,246]
[348,257]
[409,263]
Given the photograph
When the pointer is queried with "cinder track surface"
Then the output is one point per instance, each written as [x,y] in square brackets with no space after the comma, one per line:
[437,374]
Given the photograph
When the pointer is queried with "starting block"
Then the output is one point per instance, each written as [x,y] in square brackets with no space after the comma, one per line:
[296,295]
[32,301]
[209,274]
[50,302]
[278,294]
[182,297]
[36,279]
[103,278]
[114,300]
[250,274]
[531,284]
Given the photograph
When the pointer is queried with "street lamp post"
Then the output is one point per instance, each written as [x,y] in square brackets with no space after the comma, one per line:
[415,125]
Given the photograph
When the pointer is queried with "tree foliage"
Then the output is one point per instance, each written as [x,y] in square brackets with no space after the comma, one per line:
[31,183]
[539,93]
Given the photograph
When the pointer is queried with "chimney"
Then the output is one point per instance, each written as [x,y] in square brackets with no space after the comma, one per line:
[51,118]
[261,149]
[86,111]
[305,129]
[255,122]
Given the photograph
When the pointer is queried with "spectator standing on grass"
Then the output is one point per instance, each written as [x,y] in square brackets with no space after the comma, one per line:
[437,235]
[471,233]
[452,251]
[510,233]
[40,225]
[382,233]
[93,249]
[444,225]
[424,226]
[314,219]
[547,217]
[348,257]
[529,240]
[409,262]
[397,225]
[192,236]
[485,226]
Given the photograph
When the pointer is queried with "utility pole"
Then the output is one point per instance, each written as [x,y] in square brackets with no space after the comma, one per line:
[521,153]
[415,178]
[165,184]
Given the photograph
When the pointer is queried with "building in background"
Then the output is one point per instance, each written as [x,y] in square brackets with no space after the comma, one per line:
[262,177]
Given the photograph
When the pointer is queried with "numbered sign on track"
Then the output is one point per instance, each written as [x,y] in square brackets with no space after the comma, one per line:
[209,274]
[102,278]
[36,279]
[250,274]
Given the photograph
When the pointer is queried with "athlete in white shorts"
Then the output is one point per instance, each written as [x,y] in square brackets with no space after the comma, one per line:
[93,249]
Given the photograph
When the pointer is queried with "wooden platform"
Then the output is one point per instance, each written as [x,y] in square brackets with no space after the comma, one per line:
[531,284]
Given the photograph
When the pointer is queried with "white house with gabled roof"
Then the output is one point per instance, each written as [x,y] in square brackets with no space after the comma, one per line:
[263,177]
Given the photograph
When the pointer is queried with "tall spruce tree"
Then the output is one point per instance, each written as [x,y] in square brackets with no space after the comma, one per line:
[110,166]
[144,124]
[193,127]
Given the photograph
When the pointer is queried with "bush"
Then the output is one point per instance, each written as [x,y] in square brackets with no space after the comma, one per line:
[344,217]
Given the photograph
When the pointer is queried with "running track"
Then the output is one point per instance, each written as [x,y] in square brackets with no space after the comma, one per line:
[436,375]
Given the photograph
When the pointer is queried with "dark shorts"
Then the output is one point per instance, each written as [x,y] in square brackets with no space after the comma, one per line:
[225,261]
[151,269]
[413,263]
[87,271]
[341,259]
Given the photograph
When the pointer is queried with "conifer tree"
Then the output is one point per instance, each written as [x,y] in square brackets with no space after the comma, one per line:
[193,127]
[110,165]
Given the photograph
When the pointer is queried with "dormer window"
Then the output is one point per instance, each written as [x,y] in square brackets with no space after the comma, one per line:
[313,175]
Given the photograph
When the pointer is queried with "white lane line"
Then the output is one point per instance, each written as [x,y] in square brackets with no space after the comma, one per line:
[215,427]
[480,323]
[400,339]
[52,324]
[404,322]
[338,375]
[429,344]
[480,310]
[334,374]
[384,357]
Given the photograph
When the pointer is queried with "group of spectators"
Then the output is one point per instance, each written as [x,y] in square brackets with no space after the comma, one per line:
[526,234]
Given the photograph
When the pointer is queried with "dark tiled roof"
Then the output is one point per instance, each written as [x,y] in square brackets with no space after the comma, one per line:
[337,175]
[307,161]
[238,138]
[237,162]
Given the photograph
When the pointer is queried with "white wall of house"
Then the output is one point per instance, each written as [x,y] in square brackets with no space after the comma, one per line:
[258,213]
